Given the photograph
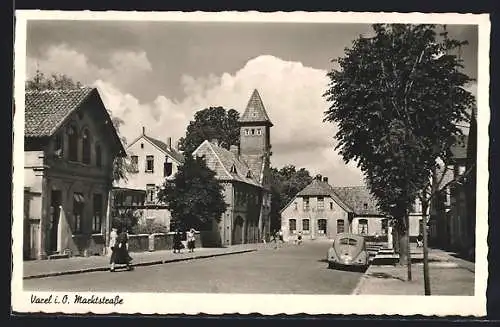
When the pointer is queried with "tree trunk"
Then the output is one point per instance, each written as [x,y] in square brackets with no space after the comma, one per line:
[395,239]
[408,248]
[403,247]
[427,285]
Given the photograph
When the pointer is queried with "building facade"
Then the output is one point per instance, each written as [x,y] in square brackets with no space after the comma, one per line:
[244,172]
[151,162]
[322,211]
[452,222]
[70,147]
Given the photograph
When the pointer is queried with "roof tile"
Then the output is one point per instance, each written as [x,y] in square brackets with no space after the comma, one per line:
[46,110]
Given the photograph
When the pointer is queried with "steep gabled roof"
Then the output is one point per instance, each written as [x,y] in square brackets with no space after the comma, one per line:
[225,164]
[46,110]
[319,187]
[255,111]
[164,147]
[359,199]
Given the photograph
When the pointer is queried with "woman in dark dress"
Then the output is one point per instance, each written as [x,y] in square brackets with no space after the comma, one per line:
[177,241]
[122,256]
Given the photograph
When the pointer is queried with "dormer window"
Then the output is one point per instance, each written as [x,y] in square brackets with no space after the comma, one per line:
[233,169]
[249,174]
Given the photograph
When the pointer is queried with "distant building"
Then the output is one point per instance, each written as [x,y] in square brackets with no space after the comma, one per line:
[452,222]
[322,211]
[70,146]
[245,175]
[152,162]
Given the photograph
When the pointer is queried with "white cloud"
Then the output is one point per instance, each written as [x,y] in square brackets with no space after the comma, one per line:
[291,92]
[124,67]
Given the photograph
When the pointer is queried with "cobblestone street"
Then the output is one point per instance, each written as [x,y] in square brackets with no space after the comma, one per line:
[290,269]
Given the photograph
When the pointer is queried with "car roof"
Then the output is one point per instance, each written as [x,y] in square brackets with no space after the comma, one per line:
[349,235]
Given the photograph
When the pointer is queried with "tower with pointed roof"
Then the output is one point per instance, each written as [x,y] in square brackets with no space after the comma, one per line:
[255,137]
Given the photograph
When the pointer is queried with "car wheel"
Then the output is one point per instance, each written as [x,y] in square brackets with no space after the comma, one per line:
[331,265]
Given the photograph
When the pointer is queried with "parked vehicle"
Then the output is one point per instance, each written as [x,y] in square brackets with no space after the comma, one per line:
[348,250]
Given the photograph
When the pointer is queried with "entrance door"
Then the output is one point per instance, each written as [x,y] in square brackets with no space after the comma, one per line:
[238,231]
[322,227]
[55,203]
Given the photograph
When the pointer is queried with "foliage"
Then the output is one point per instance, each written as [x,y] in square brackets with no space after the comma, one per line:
[286,183]
[397,99]
[126,218]
[41,82]
[212,123]
[194,196]
[55,82]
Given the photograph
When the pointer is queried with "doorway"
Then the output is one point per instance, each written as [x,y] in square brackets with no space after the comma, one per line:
[238,231]
[55,212]
[322,227]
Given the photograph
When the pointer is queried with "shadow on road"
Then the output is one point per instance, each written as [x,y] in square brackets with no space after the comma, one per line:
[385,276]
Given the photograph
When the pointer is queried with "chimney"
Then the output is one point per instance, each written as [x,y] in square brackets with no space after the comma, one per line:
[169,143]
[143,130]
[235,150]
[214,141]
[318,177]
[325,179]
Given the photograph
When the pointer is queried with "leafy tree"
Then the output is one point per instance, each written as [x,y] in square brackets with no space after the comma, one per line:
[286,183]
[194,196]
[397,98]
[212,123]
[54,82]
[41,82]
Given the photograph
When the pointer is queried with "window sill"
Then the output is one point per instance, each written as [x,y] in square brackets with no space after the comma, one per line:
[149,171]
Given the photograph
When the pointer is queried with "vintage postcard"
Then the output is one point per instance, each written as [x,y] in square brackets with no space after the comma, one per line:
[246,162]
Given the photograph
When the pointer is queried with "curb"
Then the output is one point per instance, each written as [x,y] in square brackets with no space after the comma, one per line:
[361,281]
[139,264]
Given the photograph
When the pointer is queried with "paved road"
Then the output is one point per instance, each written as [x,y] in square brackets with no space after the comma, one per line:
[291,269]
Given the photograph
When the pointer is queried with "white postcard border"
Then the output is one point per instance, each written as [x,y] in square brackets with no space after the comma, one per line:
[155,303]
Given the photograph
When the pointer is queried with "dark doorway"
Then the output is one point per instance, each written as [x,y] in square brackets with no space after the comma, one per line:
[322,223]
[55,212]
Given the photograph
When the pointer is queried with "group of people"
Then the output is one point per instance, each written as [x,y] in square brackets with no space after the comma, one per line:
[190,238]
[118,242]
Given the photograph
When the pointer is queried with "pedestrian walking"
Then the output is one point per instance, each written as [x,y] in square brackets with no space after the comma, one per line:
[299,238]
[177,241]
[122,256]
[191,238]
[113,236]
[420,240]
[280,236]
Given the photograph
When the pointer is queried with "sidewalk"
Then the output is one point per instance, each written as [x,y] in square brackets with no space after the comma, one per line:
[75,265]
[448,276]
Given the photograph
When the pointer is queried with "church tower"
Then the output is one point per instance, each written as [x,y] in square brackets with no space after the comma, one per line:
[255,138]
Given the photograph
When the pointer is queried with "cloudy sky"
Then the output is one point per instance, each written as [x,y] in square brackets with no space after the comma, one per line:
[158,74]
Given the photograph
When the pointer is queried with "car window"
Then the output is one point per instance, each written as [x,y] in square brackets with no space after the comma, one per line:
[348,241]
